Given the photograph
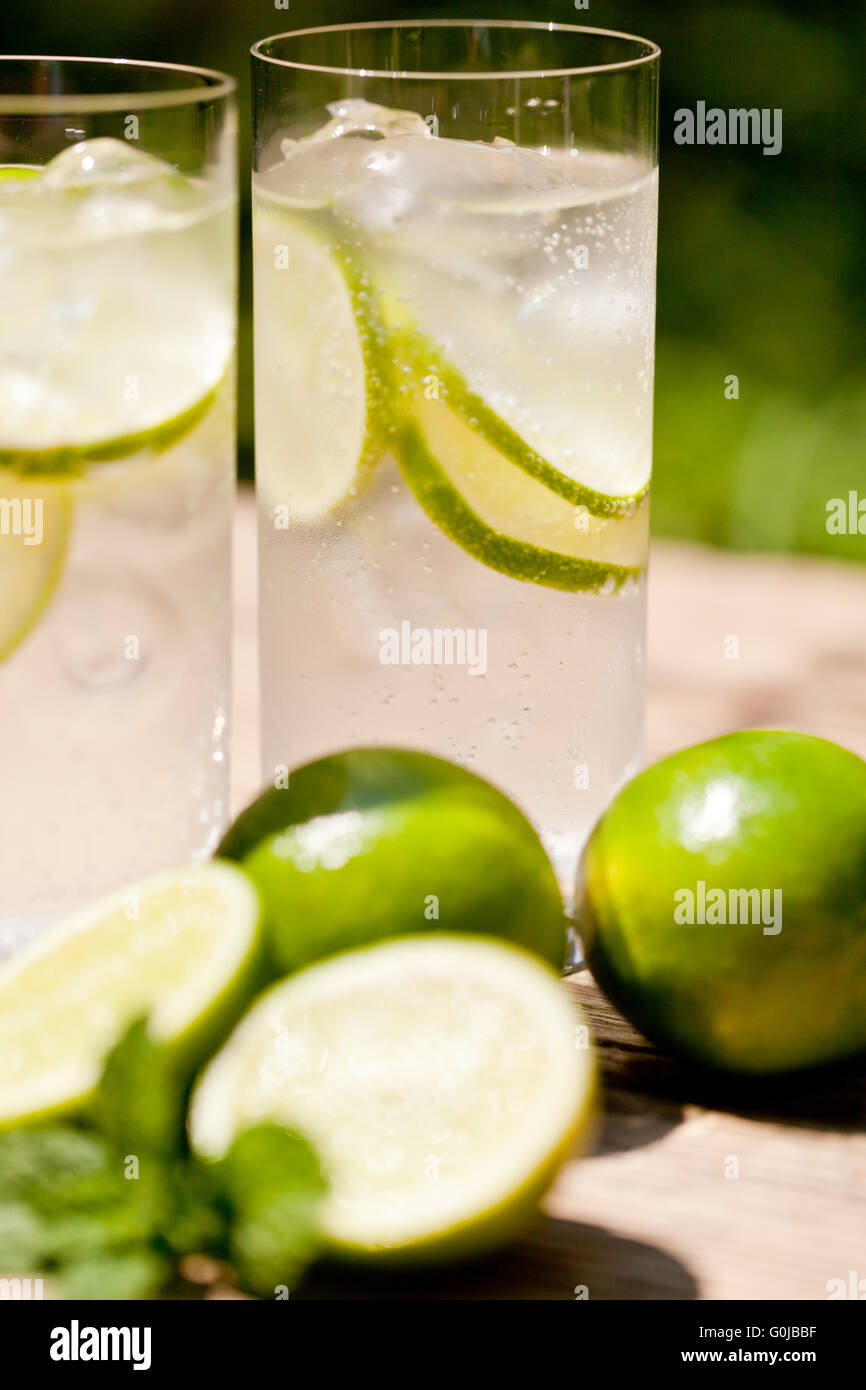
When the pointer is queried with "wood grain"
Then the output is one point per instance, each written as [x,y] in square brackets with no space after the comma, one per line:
[697,1188]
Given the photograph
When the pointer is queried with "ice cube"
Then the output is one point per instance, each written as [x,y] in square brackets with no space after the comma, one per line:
[377,166]
[330,164]
[119,189]
[355,116]
[466,171]
[408,179]
[312,174]
[102,160]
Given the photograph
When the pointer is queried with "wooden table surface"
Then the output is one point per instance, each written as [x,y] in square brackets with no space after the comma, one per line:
[696,1189]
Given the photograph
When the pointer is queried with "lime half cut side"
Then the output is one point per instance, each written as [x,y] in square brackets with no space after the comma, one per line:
[459,463]
[321,365]
[34,530]
[180,947]
[438,1077]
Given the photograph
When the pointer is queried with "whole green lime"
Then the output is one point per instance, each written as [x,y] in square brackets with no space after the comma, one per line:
[379,842]
[722,902]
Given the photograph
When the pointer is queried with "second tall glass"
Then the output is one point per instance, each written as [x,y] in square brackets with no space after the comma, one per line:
[454,232]
[117,327]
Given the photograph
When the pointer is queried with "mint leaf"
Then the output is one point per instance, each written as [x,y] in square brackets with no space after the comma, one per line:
[131,1274]
[106,1211]
[139,1103]
[273,1186]
[44,1158]
[74,1195]
[21,1239]
[195,1221]
[103,1214]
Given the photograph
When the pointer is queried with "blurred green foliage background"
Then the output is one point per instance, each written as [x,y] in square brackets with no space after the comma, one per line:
[762,260]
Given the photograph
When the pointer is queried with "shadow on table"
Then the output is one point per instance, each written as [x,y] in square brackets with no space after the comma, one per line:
[832,1098]
[627,1123]
[559,1262]
[632,1069]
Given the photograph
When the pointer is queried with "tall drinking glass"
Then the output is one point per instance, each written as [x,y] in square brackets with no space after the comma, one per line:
[455,236]
[117,326]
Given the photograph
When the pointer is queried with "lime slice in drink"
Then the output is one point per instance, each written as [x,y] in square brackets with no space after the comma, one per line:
[438,1077]
[18,173]
[181,947]
[463,465]
[34,526]
[120,331]
[320,368]
[510,371]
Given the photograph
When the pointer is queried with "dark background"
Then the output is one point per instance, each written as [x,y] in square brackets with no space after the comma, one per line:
[762,266]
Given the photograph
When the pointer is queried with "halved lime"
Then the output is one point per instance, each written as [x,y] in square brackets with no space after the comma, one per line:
[181,947]
[120,331]
[440,1079]
[34,527]
[320,367]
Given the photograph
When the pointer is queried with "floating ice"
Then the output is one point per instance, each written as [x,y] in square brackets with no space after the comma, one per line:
[98,189]
[376,165]
[100,161]
[354,116]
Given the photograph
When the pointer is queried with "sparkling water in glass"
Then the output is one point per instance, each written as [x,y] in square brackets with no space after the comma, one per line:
[117,284]
[454,238]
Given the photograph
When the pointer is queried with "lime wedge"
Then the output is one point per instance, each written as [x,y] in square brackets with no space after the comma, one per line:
[320,368]
[438,1077]
[465,476]
[118,333]
[34,527]
[181,946]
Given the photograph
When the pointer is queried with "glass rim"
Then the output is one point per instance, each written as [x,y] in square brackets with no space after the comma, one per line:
[216,85]
[650,54]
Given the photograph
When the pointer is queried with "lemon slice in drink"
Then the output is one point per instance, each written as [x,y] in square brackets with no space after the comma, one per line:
[118,331]
[181,947]
[495,498]
[34,527]
[320,368]
[439,1078]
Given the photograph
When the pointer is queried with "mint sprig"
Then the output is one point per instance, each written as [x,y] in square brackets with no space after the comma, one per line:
[272,1185]
[140,1102]
[106,1207]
